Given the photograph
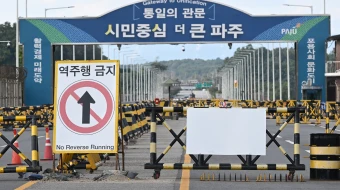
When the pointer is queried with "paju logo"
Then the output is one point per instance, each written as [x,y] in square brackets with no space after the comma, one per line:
[291,31]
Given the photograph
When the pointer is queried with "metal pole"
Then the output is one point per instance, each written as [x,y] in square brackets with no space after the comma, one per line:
[262,74]
[94,52]
[144,84]
[258,74]
[273,63]
[324,6]
[132,82]
[251,78]
[248,77]
[280,76]
[268,98]
[254,92]
[243,77]
[17,38]
[238,80]
[84,52]
[74,52]
[61,52]
[123,66]
[26,8]
[288,77]
[127,80]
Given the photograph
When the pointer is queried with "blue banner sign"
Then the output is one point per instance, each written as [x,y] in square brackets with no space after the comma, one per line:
[171,21]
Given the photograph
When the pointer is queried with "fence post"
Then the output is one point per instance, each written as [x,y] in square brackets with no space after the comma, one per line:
[297,136]
[153,141]
[34,143]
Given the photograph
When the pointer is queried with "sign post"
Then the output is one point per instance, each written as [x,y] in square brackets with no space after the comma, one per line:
[86,107]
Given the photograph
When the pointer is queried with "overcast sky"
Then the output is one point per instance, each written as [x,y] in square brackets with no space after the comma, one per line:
[36,8]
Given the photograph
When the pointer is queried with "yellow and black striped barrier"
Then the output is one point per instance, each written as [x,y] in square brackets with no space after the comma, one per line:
[134,124]
[201,163]
[33,165]
[331,111]
[325,156]
[45,112]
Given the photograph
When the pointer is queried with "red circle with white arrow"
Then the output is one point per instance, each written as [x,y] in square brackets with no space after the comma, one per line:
[85,102]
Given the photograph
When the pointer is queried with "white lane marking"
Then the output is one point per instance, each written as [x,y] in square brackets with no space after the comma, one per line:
[40,137]
[288,141]
[3,146]
[308,151]
[278,136]
[324,127]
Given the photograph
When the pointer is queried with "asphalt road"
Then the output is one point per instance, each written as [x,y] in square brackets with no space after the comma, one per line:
[198,94]
[11,180]
[137,154]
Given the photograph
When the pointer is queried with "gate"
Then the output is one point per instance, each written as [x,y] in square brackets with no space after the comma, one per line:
[201,162]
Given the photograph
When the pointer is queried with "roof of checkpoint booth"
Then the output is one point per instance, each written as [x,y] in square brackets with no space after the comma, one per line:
[91,30]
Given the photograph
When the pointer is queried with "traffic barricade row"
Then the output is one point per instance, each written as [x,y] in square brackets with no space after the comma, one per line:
[313,114]
[201,162]
[45,112]
[17,155]
[132,121]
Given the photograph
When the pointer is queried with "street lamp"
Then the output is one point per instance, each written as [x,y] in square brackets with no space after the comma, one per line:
[58,8]
[17,38]
[310,6]
[8,43]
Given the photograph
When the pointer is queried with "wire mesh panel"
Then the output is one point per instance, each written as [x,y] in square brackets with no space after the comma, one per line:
[11,85]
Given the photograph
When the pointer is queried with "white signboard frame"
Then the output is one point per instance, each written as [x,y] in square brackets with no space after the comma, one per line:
[218,131]
[86,110]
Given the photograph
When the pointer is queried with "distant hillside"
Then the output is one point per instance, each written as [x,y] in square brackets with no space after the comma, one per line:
[192,68]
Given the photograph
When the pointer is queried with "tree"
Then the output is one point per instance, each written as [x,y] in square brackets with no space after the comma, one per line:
[157,65]
[7,54]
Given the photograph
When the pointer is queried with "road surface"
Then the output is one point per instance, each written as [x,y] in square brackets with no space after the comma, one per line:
[138,154]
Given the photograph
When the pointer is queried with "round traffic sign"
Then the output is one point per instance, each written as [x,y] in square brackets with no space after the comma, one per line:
[69,94]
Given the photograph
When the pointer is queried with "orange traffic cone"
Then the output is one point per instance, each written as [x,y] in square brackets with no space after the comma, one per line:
[48,148]
[15,157]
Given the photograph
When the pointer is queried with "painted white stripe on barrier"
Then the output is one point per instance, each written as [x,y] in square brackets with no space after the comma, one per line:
[308,151]
[40,137]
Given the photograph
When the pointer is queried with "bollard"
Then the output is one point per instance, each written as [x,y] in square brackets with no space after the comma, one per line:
[324,156]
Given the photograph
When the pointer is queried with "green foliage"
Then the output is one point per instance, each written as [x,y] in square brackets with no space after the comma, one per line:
[213,90]
[7,54]
[157,65]
[192,68]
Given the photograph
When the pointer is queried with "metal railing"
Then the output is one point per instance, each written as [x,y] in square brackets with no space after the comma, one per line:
[11,85]
[333,67]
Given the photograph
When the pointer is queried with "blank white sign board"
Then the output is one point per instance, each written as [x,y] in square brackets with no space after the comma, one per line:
[234,131]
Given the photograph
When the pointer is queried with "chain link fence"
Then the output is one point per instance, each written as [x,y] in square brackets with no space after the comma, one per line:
[11,85]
